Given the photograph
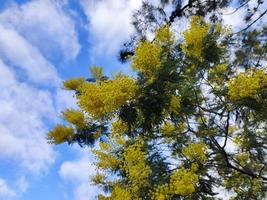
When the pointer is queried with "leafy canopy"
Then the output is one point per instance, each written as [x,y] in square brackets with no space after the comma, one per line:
[193,119]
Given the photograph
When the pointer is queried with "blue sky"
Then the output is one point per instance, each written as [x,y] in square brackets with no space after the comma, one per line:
[43,42]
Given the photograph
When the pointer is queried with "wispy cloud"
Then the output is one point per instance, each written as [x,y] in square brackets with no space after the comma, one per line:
[46,25]
[109,23]
[23,109]
[31,95]
[16,50]
[78,173]
[6,192]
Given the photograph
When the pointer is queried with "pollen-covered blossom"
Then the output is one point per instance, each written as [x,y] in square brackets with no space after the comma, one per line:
[175,104]
[147,58]
[182,182]
[75,117]
[135,166]
[60,134]
[248,84]
[196,152]
[73,84]
[105,97]
[105,156]
[194,37]
[165,36]
[118,193]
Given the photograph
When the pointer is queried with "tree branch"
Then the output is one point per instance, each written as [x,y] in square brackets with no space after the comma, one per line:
[261,15]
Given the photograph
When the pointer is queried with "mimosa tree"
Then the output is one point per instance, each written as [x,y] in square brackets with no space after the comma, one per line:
[192,121]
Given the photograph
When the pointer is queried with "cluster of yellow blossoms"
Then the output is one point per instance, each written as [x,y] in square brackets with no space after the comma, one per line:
[169,129]
[196,152]
[132,161]
[120,193]
[164,36]
[106,156]
[175,104]
[135,166]
[182,182]
[75,117]
[105,97]
[118,127]
[218,73]
[195,36]
[248,84]
[242,184]
[147,58]
[73,84]
[60,134]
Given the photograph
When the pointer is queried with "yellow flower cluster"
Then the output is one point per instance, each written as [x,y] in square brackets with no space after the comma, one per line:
[132,161]
[241,141]
[147,58]
[118,127]
[216,73]
[73,84]
[165,36]
[120,193]
[107,96]
[248,84]
[196,152]
[175,104]
[98,179]
[75,117]
[168,129]
[106,157]
[60,134]
[244,185]
[182,183]
[194,37]
[242,158]
[135,166]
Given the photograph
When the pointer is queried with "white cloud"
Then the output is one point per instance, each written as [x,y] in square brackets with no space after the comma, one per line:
[234,19]
[22,184]
[64,99]
[13,191]
[6,192]
[31,97]
[16,50]
[78,170]
[46,25]
[84,192]
[109,23]
[223,193]
[23,109]
[78,173]
[26,106]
